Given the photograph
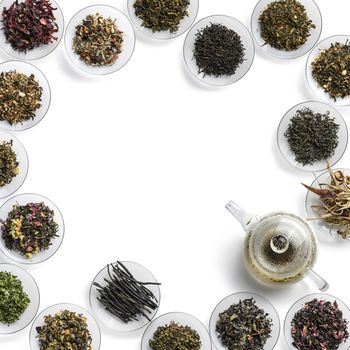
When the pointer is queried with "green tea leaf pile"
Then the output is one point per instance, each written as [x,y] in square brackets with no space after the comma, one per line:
[9,166]
[20,97]
[175,337]
[331,70]
[98,41]
[161,15]
[65,330]
[285,25]
[13,300]
[244,326]
[312,137]
[29,229]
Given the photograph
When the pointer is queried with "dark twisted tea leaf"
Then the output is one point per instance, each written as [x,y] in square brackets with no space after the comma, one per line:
[9,166]
[218,50]
[65,330]
[319,325]
[20,97]
[161,15]
[331,70]
[312,137]
[285,25]
[98,41]
[244,326]
[29,229]
[29,24]
[175,337]
[125,297]
[13,300]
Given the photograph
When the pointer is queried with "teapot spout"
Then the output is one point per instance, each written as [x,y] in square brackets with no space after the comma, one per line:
[240,214]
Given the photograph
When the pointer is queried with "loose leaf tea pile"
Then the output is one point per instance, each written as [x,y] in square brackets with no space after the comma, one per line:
[218,50]
[175,337]
[125,297]
[331,70]
[20,97]
[334,207]
[244,326]
[319,325]
[13,300]
[65,330]
[29,229]
[312,137]
[161,15]
[285,25]
[9,166]
[29,24]
[98,41]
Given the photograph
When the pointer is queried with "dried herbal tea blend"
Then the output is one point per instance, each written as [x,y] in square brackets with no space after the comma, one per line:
[319,325]
[29,229]
[9,166]
[20,97]
[312,137]
[161,15]
[334,207]
[29,24]
[244,326]
[218,50]
[125,297]
[98,41]
[13,300]
[285,25]
[175,337]
[331,70]
[65,330]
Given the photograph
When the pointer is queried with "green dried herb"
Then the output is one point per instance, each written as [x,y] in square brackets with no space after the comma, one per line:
[285,25]
[161,15]
[331,70]
[175,337]
[65,330]
[29,229]
[244,326]
[9,166]
[13,300]
[98,41]
[312,137]
[20,97]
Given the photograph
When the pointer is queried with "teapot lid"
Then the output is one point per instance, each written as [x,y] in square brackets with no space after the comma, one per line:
[281,247]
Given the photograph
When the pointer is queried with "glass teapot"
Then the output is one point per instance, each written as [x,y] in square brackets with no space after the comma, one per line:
[279,247]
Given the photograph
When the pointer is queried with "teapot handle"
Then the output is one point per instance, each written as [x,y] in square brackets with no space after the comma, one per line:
[240,214]
[321,284]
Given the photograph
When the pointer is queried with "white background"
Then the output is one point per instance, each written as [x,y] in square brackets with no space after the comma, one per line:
[142,162]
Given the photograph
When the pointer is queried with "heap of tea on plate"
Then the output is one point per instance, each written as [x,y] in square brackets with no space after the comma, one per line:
[9,166]
[20,97]
[29,24]
[244,326]
[218,50]
[334,205]
[64,330]
[29,229]
[125,297]
[13,300]
[98,41]
[285,25]
[159,16]
[319,325]
[175,336]
[312,137]
[331,70]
